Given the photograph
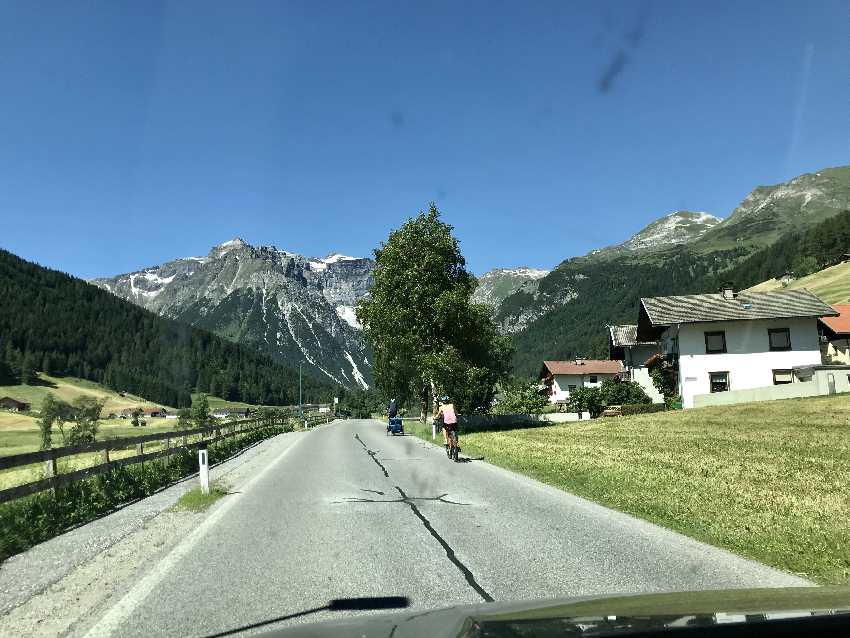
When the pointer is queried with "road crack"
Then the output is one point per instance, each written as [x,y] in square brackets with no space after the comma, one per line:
[372,454]
[409,501]
[450,553]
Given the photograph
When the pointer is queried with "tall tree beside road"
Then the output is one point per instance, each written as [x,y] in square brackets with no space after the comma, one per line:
[201,411]
[418,319]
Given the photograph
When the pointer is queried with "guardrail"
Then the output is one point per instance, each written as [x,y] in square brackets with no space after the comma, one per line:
[206,435]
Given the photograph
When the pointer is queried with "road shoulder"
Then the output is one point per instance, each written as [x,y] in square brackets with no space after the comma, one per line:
[58,586]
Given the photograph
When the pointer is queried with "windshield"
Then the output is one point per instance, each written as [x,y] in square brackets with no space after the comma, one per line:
[308,307]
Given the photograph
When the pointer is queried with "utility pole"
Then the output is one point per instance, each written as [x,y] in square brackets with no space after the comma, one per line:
[300,402]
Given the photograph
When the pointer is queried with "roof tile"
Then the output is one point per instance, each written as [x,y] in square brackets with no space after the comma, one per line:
[664,311]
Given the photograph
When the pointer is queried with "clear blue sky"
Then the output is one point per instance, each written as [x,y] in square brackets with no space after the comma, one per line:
[136,132]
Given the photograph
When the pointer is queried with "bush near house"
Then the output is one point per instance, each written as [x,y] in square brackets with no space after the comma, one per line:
[616,392]
[642,408]
[521,398]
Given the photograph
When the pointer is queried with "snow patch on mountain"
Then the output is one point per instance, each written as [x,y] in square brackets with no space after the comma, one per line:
[679,227]
[348,315]
[321,264]
[154,278]
[356,371]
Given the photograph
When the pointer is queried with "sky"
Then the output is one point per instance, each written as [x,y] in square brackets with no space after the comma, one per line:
[132,133]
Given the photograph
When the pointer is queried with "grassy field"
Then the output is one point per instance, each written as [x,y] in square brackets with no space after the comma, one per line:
[69,388]
[217,402]
[830,284]
[769,480]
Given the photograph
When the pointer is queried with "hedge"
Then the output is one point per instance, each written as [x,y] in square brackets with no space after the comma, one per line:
[642,408]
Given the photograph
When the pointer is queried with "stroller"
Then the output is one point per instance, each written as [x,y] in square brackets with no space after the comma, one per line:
[395,426]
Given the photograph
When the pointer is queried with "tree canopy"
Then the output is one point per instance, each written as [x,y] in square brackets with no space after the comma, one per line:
[426,335]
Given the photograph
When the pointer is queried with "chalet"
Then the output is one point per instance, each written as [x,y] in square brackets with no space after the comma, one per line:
[623,345]
[734,341]
[155,412]
[14,405]
[559,378]
[835,334]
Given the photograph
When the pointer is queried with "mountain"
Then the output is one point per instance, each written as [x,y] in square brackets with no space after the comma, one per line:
[679,227]
[498,284]
[291,307]
[769,212]
[58,324]
[684,252]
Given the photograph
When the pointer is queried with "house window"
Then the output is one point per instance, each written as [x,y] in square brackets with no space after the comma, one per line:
[780,338]
[715,342]
[719,381]
[571,388]
[593,379]
[781,377]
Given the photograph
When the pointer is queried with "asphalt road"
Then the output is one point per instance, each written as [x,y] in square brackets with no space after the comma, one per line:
[347,511]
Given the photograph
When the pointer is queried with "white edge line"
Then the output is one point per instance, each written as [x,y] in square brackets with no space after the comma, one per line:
[110,622]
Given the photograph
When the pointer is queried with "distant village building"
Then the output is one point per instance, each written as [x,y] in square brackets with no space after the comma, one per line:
[223,413]
[14,405]
[623,345]
[835,334]
[150,412]
[730,341]
[560,378]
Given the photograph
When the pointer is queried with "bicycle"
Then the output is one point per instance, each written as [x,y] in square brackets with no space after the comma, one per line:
[452,448]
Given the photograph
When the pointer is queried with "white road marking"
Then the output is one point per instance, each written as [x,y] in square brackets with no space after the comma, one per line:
[112,620]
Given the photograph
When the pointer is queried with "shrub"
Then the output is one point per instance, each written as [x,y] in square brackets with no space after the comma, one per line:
[586,400]
[642,408]
[521,398]
[616,392]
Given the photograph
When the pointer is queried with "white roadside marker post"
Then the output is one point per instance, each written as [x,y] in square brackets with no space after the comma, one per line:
[204,470]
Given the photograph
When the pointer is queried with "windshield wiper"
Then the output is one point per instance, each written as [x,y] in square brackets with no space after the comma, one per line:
[337,604]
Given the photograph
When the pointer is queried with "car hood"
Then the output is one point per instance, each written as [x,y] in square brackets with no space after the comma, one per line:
[587,615]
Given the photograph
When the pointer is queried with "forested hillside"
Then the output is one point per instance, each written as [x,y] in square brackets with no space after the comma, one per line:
[61,325]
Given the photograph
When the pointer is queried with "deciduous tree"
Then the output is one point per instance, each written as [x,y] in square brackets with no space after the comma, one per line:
[425,334]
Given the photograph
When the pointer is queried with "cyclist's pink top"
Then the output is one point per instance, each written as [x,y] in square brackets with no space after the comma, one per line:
[449,416]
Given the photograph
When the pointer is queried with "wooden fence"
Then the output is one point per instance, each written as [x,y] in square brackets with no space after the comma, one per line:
[173,442]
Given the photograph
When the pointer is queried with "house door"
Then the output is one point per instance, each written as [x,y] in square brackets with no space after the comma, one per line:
[830,382]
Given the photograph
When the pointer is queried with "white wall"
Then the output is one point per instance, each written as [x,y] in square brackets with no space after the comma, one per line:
[642,378]
[839,350]
[562,382]
[747,359]
[824,381]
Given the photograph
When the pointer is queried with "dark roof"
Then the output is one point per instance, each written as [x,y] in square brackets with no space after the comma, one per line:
[582,366]
[782,304]
[624,336]
[15,402]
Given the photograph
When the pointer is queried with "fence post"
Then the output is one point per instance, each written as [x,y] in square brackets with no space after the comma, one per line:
[204,470]
[50,469]
[167,450]
[106,454]
[140,450]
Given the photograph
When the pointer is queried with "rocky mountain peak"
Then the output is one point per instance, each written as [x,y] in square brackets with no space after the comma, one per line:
[289,306]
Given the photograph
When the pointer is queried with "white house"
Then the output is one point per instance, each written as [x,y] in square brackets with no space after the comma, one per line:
[623,345]
[562,377]
[734,341]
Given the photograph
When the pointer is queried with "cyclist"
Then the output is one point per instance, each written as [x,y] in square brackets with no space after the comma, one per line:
[447,412]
